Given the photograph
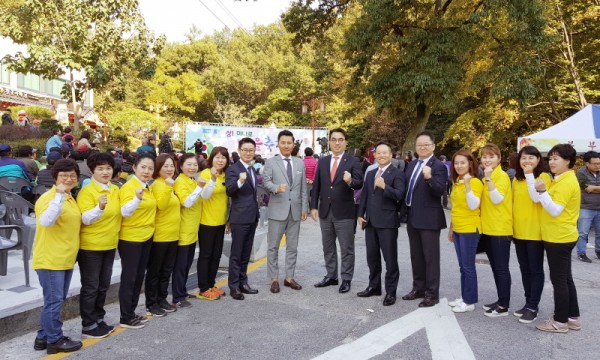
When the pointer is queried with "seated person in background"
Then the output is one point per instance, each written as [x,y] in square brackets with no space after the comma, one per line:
[26,155]
[45,175]
[10,166]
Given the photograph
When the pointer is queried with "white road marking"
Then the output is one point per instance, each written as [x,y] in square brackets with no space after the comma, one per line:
[444,334]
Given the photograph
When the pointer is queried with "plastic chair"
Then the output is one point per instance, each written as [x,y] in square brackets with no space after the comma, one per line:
[7,244]
[14,184]
[18,210]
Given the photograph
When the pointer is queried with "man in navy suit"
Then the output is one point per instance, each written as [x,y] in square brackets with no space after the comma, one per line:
[332,200]
[383,189]
[426,179]
[240,181]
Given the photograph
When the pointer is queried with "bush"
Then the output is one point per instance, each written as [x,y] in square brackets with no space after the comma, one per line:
[16,136]
[50,124]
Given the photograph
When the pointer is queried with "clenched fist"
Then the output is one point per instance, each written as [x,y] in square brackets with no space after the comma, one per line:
[61,189]
[380,183]
[347,177]
[281,188]
[427,172]
[139,192]
[102,200]
[487,172]
[201,182]
[213,173]
[170,181]
[243,176]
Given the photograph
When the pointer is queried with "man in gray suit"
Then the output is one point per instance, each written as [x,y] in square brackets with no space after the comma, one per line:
[284,177]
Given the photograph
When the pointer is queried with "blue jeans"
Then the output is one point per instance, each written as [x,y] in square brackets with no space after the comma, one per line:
[498,252]
[530,254]
[587,218]
[465,245]
[55,286]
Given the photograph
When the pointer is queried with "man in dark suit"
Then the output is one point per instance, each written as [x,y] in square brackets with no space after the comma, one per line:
[240,181]
[332,200]
[426,179]
[383,189]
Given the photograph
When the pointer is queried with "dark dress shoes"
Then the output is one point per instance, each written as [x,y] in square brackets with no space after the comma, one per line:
[236,295]
[40,344]
[368,292]
[428,302]
[345,287]
[390,299]
[63,345]
[246,289]
[292,284]
[326,282]
[413,295]
[275,287]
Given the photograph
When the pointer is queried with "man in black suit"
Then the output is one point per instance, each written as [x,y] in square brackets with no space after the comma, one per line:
[336,178]
[240,181]
[383,189]
[426,179]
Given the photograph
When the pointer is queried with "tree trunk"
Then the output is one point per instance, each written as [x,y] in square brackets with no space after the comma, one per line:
[76,108]
[423,113]
[569,55]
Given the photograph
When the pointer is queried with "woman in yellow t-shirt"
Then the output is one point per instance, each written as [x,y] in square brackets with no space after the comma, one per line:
[166,236]
[465,227]
[138,210]
[496,226]
[101,217]
[212,222]
[561,204]
[188,191]
[527,233]
[54,252]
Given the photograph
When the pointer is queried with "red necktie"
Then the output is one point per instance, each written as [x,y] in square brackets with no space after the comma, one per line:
[334,167]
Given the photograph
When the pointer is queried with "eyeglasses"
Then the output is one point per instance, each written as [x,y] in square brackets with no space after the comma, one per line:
[247,150]
[423,145]
[66,177]
[337,141]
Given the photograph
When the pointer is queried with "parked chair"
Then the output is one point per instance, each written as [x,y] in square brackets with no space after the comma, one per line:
[39,190]
[7,244]
[18,210]
[14,184]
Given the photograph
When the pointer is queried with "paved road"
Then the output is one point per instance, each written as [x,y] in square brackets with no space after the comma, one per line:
[313,322]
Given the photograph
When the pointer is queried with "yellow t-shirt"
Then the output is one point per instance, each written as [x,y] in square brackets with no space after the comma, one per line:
[214,210]
[56,246]
[104,233]
[526,213]
[190,217]
[168,213]
[139,227]
[465,220]
[564,191]
[496,219]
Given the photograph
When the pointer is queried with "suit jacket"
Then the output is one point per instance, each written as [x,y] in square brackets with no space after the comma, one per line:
[336,196]
[295,199]
[244,206]
[379,207]
[426,212]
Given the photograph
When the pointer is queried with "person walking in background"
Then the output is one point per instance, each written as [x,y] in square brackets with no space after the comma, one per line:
[527,229]
[465,226]
[561,201]
[427,178]
[284,176]
[588,177]
[310,164]
[497,226]
[378,215]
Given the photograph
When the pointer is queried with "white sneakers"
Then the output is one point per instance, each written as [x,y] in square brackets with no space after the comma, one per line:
[458,306]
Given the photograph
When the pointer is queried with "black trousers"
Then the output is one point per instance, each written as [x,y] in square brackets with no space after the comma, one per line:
[425,260]
[210,241]
[565,295]
[183,261]
[159,270]
[384,241]
[134,258]
[242,239]
[95,268]
[530,254]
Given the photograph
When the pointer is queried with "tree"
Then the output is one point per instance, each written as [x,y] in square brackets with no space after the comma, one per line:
[96,37]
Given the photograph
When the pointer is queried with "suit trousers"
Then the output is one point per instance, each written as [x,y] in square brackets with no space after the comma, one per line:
[425,260]
[384,241]
[134,258]
[210,241]
[159,270]
[95,268]
[183,261]
[242,239]
[343,230]
[277,228]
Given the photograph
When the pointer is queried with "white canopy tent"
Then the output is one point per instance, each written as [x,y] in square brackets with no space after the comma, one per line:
[582,130]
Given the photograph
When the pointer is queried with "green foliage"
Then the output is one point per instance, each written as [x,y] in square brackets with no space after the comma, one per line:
[49,124]
[33,112]
[135,122]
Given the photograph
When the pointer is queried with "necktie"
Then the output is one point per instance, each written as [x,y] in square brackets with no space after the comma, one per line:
[411,184]
[288,169]
[250,178]
[377,176]
[334,167]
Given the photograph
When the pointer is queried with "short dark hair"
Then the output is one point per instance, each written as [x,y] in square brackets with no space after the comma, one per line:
[339,130]
[67,130]
[55,131]
[427,133]
[64,165]
[285,133]
[590,155]
[529,150]
[386,144]
[161,159]
[68,138]
[565,151]
[98,159]
[143,156]
[24,151]
[186,156]
[308,151]
[216,151]
[246,140]
[85,135]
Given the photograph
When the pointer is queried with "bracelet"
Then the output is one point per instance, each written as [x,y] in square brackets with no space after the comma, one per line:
[488,180]
[541,191]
